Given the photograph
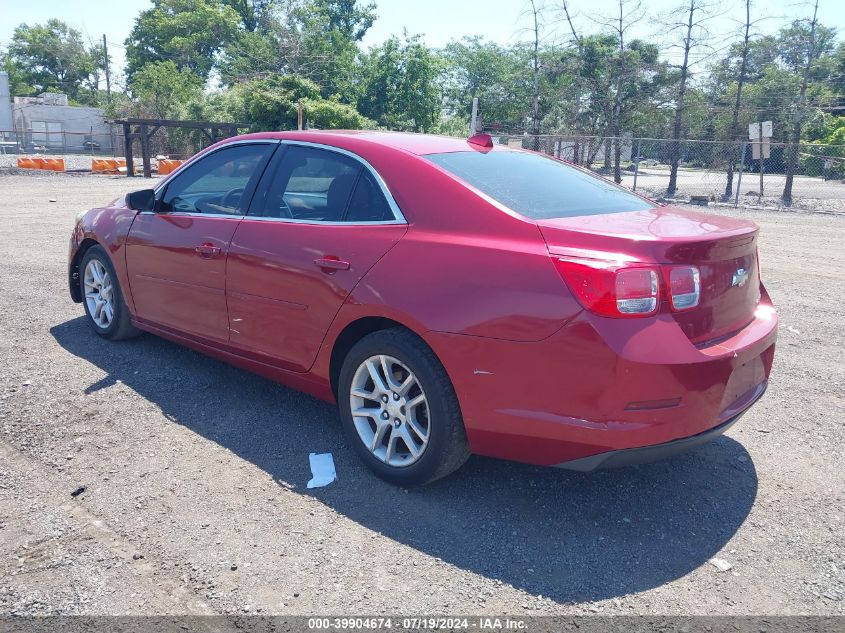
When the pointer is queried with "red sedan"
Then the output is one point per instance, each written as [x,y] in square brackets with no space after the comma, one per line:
[451,296]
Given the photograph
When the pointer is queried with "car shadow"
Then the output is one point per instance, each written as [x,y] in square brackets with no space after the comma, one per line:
[568,536]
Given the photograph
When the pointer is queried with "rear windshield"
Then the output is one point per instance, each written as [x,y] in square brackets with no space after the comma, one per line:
[536,186]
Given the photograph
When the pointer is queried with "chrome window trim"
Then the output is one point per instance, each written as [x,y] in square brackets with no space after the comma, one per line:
[322,222]
[191,161]
[398,217]
[191,214]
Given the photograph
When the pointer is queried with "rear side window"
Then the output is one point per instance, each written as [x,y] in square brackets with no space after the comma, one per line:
[311,184]
[368,203]
[536,186]
[317,185]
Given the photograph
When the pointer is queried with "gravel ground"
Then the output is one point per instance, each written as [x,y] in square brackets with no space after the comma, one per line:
[194,475]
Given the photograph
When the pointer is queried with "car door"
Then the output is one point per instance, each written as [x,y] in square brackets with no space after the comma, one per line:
[176,256]
[319,221]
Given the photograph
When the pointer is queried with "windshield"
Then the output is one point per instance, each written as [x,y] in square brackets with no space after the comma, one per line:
[536,186]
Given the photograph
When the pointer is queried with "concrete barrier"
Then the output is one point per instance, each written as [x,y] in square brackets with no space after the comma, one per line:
[107,165]
[30,162]
[168,165]
[39,162]
[54,164]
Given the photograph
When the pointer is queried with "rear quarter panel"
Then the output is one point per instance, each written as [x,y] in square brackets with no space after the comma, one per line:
[465,265]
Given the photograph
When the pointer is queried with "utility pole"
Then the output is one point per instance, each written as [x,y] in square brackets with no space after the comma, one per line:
[536,9]
[108,76]
[760,136]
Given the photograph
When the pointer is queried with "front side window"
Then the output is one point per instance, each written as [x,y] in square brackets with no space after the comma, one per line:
[537,186]
[219,183]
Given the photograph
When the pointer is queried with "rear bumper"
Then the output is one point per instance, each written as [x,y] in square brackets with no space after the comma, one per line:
[599,387]
[645,454]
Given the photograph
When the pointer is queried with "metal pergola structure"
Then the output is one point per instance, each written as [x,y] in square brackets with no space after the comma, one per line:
[143,129]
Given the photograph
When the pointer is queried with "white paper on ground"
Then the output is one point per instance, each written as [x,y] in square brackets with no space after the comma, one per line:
[322,470]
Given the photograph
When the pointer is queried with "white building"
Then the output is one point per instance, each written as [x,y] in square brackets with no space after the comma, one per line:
[47,123]
[6,120]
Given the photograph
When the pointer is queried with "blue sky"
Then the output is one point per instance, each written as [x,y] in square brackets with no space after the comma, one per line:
[438,20]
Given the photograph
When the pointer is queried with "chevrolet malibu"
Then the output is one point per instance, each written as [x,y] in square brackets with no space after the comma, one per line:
[451,296]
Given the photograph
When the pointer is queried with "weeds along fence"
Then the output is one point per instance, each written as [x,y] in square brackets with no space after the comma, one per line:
[717,172]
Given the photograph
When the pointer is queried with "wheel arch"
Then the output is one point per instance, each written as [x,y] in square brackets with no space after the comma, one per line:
[353,332]
[73,269]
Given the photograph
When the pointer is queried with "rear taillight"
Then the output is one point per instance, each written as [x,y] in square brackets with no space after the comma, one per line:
[684,284]
[621,289]
[636,291]
[612,289]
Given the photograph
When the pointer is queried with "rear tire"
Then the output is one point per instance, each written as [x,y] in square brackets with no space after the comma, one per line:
[102,297]
[408,429]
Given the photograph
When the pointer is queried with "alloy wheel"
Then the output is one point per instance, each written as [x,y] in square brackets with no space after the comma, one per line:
[99,295]
[390,411]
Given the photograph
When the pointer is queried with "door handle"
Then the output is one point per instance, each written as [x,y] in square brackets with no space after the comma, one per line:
[331,263]
[207,250]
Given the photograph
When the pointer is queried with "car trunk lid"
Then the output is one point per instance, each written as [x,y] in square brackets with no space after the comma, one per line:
[724,250]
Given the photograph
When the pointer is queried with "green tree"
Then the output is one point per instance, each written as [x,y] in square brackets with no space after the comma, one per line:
[328,114]
[271,104]
[19,79]
[161,89]
[399,89]
[802,44]
[688,21]
[187,32]
[610,103]
[49,57]
[317,39]
[475,68]
[349,18]
[253,13]
[329,32]
[252,55]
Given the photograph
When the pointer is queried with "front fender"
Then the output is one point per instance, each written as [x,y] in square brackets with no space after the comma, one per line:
[107,226]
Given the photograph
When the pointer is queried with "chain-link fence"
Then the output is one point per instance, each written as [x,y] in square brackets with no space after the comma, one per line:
[78,148]
[180,143]
[708,172]
[60,142]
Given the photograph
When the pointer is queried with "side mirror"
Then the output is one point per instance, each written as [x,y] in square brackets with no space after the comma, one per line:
[144,200]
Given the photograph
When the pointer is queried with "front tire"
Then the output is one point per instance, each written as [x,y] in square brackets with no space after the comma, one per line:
[399,409]
[102,298]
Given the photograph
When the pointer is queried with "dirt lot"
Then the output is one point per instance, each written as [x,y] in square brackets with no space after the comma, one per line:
[814,194]
[195,472]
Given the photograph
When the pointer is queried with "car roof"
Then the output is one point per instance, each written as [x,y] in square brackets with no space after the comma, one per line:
[413,143]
